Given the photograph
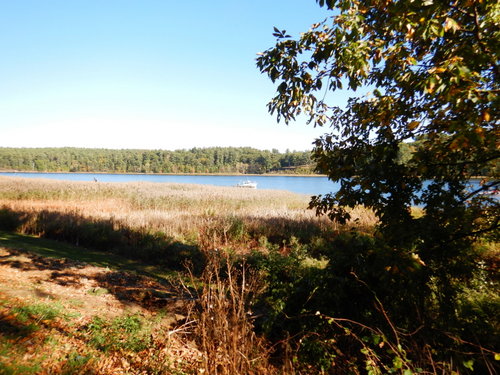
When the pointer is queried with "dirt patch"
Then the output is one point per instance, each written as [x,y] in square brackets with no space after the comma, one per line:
[59,316]
[89,289]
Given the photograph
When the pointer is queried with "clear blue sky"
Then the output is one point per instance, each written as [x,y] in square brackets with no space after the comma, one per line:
[153,74]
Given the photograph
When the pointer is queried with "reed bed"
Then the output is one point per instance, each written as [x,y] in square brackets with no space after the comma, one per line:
[195,215]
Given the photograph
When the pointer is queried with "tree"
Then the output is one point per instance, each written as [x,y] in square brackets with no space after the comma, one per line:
[432,71]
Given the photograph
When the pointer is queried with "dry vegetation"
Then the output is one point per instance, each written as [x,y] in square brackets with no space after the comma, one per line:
[118,324]
[205,215]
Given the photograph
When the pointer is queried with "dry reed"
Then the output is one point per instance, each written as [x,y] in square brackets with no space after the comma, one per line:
[196,214]
[224,328]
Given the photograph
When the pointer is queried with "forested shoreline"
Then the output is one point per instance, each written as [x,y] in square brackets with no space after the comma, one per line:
[241,160]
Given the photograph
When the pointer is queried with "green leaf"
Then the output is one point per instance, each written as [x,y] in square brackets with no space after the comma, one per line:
[469,364]
[397,363]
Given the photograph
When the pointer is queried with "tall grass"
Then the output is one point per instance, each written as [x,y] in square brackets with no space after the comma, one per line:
[195,215]
[173,224]
[224,330]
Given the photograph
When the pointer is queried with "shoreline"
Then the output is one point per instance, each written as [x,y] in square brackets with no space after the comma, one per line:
[174,174]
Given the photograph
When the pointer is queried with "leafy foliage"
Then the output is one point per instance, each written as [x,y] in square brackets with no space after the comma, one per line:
[369,307]
[436,77]
[432,69]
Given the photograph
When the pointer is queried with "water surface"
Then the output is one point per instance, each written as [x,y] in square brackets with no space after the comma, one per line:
[313,185]
[309,185]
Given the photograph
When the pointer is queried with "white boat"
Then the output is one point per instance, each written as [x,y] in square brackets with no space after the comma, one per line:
[247,184]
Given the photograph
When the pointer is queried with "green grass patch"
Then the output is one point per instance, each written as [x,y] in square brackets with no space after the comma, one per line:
[18,369]
[38,312]
[97,291]
[74,363]
[56,249]
[129,332]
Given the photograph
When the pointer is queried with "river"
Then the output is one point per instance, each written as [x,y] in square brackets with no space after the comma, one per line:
[309,185]
[313,185]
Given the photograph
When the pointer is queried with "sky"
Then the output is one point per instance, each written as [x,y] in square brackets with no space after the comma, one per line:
[145,74]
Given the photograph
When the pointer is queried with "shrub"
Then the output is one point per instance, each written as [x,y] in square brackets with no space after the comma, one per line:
[367,298]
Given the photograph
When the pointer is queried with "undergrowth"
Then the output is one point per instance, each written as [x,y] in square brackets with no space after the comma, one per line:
[130,332]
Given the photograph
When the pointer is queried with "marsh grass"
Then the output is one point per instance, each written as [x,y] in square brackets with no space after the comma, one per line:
[171,225]
[303,265]
[58,249]
[155,221]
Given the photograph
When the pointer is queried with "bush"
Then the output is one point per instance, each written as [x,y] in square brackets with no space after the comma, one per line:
[369,307]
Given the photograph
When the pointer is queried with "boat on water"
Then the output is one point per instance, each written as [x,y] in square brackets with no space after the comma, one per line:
[247,184]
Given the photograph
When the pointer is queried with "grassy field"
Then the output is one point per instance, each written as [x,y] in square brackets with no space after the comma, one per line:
[191,215]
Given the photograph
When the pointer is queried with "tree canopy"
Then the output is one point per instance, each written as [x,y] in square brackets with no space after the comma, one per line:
[416,71]
[195,160]
[432,68]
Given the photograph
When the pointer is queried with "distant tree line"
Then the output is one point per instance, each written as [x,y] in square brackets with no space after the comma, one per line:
[243,160]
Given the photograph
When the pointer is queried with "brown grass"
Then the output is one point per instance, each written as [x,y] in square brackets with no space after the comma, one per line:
[224,329]
[197,214]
